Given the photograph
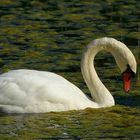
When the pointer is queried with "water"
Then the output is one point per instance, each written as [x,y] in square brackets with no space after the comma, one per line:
[51,35]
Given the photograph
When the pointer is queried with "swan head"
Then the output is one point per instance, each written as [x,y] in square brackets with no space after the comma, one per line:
[123,57]
[126,62]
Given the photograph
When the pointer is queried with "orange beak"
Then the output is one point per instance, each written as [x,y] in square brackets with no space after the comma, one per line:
[127,76]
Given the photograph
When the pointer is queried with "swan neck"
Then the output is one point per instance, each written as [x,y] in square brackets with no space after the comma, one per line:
[99,92]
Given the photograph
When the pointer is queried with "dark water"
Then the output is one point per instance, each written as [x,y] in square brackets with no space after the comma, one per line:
[51,35]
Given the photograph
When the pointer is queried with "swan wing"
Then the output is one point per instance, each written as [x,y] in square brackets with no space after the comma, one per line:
[37,89]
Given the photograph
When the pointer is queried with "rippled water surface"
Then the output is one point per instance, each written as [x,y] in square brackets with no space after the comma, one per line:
[51,35]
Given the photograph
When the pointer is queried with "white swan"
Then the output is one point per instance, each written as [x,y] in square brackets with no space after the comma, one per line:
[31,91]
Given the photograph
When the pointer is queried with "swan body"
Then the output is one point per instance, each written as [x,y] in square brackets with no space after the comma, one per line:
[31,91]
[38,91]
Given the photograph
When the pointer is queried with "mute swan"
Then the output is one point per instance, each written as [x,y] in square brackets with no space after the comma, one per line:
[31,91]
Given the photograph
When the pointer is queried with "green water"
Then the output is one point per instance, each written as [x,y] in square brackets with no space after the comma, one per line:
[51,35]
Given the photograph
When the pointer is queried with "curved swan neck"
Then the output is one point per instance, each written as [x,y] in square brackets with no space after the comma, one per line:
[98,91]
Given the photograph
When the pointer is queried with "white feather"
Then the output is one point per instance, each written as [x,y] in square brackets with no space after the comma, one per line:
[31,91]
